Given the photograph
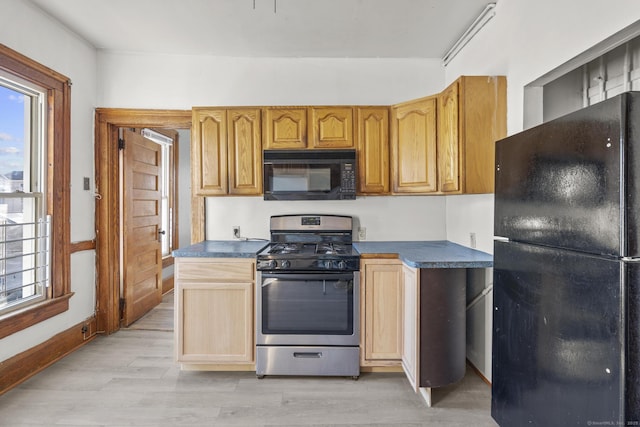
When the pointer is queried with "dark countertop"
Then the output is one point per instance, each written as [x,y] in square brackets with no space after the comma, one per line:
[418,254]
[222,249]
[429,254]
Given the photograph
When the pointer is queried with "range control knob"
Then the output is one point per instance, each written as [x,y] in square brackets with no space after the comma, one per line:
[271,264]
[286,263]
[342,265]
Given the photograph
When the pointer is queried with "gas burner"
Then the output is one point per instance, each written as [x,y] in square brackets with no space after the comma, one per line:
[285,248]
[309,243]
[330,249]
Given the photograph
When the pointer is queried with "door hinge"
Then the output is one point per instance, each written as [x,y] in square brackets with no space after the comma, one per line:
[120,143]
[122,304]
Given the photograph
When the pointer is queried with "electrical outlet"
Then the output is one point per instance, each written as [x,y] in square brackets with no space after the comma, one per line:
[362,233]
[472,240]
[236,231]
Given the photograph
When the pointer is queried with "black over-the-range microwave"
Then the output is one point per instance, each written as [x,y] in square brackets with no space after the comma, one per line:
[309,174]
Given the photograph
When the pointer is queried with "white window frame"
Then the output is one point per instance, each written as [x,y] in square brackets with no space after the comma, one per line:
[29,229]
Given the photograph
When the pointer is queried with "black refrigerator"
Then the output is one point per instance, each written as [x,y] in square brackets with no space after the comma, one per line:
[566,321]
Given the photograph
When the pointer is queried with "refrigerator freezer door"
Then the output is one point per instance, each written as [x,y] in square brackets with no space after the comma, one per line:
[559,339]
[573,182]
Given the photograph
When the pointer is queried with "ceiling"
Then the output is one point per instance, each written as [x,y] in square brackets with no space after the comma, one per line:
[270,28]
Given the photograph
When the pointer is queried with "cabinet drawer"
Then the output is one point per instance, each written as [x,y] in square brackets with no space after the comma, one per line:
[215,269]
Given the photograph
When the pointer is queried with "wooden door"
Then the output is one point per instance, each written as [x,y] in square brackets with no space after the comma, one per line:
[449,140]
[285,128]
[372,135]
[209,152]
[413,147]
[331,127]
[142,254]
[245,151]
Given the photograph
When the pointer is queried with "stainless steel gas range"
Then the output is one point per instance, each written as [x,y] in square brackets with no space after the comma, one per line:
[307,298]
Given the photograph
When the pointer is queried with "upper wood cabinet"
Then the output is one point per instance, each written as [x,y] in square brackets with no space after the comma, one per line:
[226,151]
[209,152]
[440,144]
[285,128]
[471,117]
[245,151]
[413,146]
[331,127]
[372,144]
[449,140]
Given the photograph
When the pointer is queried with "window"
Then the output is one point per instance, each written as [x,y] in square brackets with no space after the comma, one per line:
[24,254]
[601,72]
[34,196]
[167,186]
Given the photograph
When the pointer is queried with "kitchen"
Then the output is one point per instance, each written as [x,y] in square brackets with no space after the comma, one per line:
[506,46]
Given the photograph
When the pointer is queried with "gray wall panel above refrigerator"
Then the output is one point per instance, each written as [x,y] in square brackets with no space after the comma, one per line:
[573,182]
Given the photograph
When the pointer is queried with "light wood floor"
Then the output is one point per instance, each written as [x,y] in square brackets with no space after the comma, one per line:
[131,378]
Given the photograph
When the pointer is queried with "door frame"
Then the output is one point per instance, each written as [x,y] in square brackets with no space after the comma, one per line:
[107,171]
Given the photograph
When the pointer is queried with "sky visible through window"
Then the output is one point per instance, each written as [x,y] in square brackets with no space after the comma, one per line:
[12,126]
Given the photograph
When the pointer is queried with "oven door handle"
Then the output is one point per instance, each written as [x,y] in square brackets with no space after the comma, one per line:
[307,354]
[308,276]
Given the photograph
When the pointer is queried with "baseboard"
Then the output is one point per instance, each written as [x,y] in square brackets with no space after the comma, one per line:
[479,373]
[23,366]
[167,285]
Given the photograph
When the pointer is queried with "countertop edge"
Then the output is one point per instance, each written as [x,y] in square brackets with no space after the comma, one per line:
[419,254]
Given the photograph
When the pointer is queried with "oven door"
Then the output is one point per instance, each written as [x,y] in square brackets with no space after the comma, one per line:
[308,308]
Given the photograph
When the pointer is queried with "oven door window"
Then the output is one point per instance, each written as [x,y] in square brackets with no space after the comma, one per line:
[307,306]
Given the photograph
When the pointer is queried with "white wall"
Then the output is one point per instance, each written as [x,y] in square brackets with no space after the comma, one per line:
[183,81]
[25,29]
[385,218]
[523,41]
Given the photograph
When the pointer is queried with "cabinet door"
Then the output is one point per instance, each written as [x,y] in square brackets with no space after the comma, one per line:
[382,324]
[413,147]
[372,136]
[483,121]
[331,127]
[285,128]
[215,322]
[245,151]
[449,140]
[209,152]
[411,325]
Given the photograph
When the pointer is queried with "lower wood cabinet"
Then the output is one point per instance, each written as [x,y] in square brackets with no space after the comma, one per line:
[381,314]
[214,311]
